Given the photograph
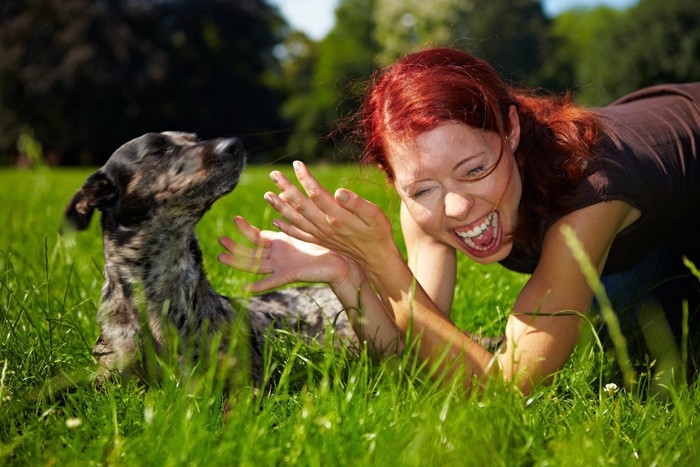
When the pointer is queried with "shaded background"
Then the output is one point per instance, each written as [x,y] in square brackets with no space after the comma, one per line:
[80,77]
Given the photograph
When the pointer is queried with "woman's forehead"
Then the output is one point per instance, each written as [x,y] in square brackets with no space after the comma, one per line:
[440,148]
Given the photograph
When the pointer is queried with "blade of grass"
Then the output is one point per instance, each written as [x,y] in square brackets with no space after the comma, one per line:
[619,341]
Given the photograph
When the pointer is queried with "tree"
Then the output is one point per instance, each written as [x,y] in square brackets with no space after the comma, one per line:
[87,75]
[511,34]
[604,54]
[659,42]
[403,26]
[583,54]
[343,61]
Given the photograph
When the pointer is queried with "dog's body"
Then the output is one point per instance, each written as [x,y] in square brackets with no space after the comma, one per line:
[152,192]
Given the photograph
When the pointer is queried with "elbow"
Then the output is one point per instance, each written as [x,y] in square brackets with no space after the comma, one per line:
[524,378]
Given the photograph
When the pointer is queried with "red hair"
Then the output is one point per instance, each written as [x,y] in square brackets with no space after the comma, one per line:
[426,89]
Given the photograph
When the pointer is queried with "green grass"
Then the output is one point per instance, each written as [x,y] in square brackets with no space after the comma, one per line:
[331,406]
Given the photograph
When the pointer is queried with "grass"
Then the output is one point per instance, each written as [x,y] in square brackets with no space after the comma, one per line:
[331,406]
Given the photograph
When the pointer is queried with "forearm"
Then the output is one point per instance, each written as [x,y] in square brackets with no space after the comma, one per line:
[366,312]
[434,264]
[438,341]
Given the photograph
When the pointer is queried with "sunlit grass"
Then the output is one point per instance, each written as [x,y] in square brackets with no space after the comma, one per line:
[330,406]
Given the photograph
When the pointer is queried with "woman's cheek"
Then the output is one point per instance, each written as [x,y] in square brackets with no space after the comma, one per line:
[424,217]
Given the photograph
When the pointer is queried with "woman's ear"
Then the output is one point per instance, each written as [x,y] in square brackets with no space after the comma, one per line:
[513,138]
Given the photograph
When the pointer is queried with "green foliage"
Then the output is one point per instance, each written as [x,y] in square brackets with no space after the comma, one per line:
[334,406]
[87,76]
[344,58]
[660,44]
[402,27]
[604,53]
[512,35]
[579,60]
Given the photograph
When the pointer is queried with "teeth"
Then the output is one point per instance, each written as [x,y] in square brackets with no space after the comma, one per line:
[492,219]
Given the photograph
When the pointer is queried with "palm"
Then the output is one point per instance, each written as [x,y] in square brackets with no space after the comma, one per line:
[294,260]
[282,258]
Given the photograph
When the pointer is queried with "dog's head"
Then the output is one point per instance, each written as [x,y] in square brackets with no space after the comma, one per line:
[158,174]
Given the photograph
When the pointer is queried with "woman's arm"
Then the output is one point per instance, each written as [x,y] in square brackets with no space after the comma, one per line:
[285,260]
[433,263]
[545,322]
[540,333]
[358,229]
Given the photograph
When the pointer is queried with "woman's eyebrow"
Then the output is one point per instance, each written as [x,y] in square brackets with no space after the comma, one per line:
[468,159]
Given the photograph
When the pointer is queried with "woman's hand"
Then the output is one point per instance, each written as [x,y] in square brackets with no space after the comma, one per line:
[283,259]
[344,222]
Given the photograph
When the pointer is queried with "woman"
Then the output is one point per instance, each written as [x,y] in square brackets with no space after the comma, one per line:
[494,172]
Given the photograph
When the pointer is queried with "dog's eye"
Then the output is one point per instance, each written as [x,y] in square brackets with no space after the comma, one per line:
[159,147]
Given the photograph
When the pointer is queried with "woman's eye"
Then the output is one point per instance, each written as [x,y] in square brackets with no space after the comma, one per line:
[476,172]
[420,193]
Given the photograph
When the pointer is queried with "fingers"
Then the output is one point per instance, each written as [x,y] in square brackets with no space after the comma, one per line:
[366,211]
[244,258]
[303,210]
[265,284]
[294,207]
[315,191]
[320,213]
[238,249]
[337,205]
[294,232]
[241,263]
[250,233]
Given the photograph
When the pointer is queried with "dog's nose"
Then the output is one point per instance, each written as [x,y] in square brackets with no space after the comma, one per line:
[231,146]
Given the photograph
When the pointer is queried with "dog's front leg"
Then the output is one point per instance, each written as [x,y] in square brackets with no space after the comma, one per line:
[116,350]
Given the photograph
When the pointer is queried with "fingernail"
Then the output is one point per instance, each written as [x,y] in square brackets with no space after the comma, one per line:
[341,196]
[297,165]
[268,197]
[273,176]
[276,223]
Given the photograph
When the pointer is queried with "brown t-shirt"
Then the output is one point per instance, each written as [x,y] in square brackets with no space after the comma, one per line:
[648,159]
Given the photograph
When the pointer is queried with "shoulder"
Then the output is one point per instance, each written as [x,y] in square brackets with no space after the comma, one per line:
[594,226]
[558,273]
[689,91]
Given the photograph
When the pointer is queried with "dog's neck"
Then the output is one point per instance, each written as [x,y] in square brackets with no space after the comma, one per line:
[161,261]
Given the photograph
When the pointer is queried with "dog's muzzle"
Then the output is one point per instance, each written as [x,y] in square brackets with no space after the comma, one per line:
[230,146]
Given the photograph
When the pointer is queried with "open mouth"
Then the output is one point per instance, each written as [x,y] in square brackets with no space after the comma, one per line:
[483,238]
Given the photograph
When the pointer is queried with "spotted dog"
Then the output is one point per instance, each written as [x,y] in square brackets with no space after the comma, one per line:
[152,192]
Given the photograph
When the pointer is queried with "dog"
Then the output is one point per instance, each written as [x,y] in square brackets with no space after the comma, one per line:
[151,193]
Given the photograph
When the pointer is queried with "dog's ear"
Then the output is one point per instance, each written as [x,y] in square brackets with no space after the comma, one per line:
[98,191]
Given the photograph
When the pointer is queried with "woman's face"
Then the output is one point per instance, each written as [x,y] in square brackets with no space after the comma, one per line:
[457,188]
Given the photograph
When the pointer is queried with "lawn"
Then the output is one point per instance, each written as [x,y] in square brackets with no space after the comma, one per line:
[331,406]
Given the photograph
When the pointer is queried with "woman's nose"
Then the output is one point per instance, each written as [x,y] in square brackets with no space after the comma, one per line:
[457,206]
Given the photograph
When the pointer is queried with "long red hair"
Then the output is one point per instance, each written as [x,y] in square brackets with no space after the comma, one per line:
[426,89]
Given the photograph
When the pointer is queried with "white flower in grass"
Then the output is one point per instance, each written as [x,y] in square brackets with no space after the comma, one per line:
[73,422]
[148,414]
[611,389]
